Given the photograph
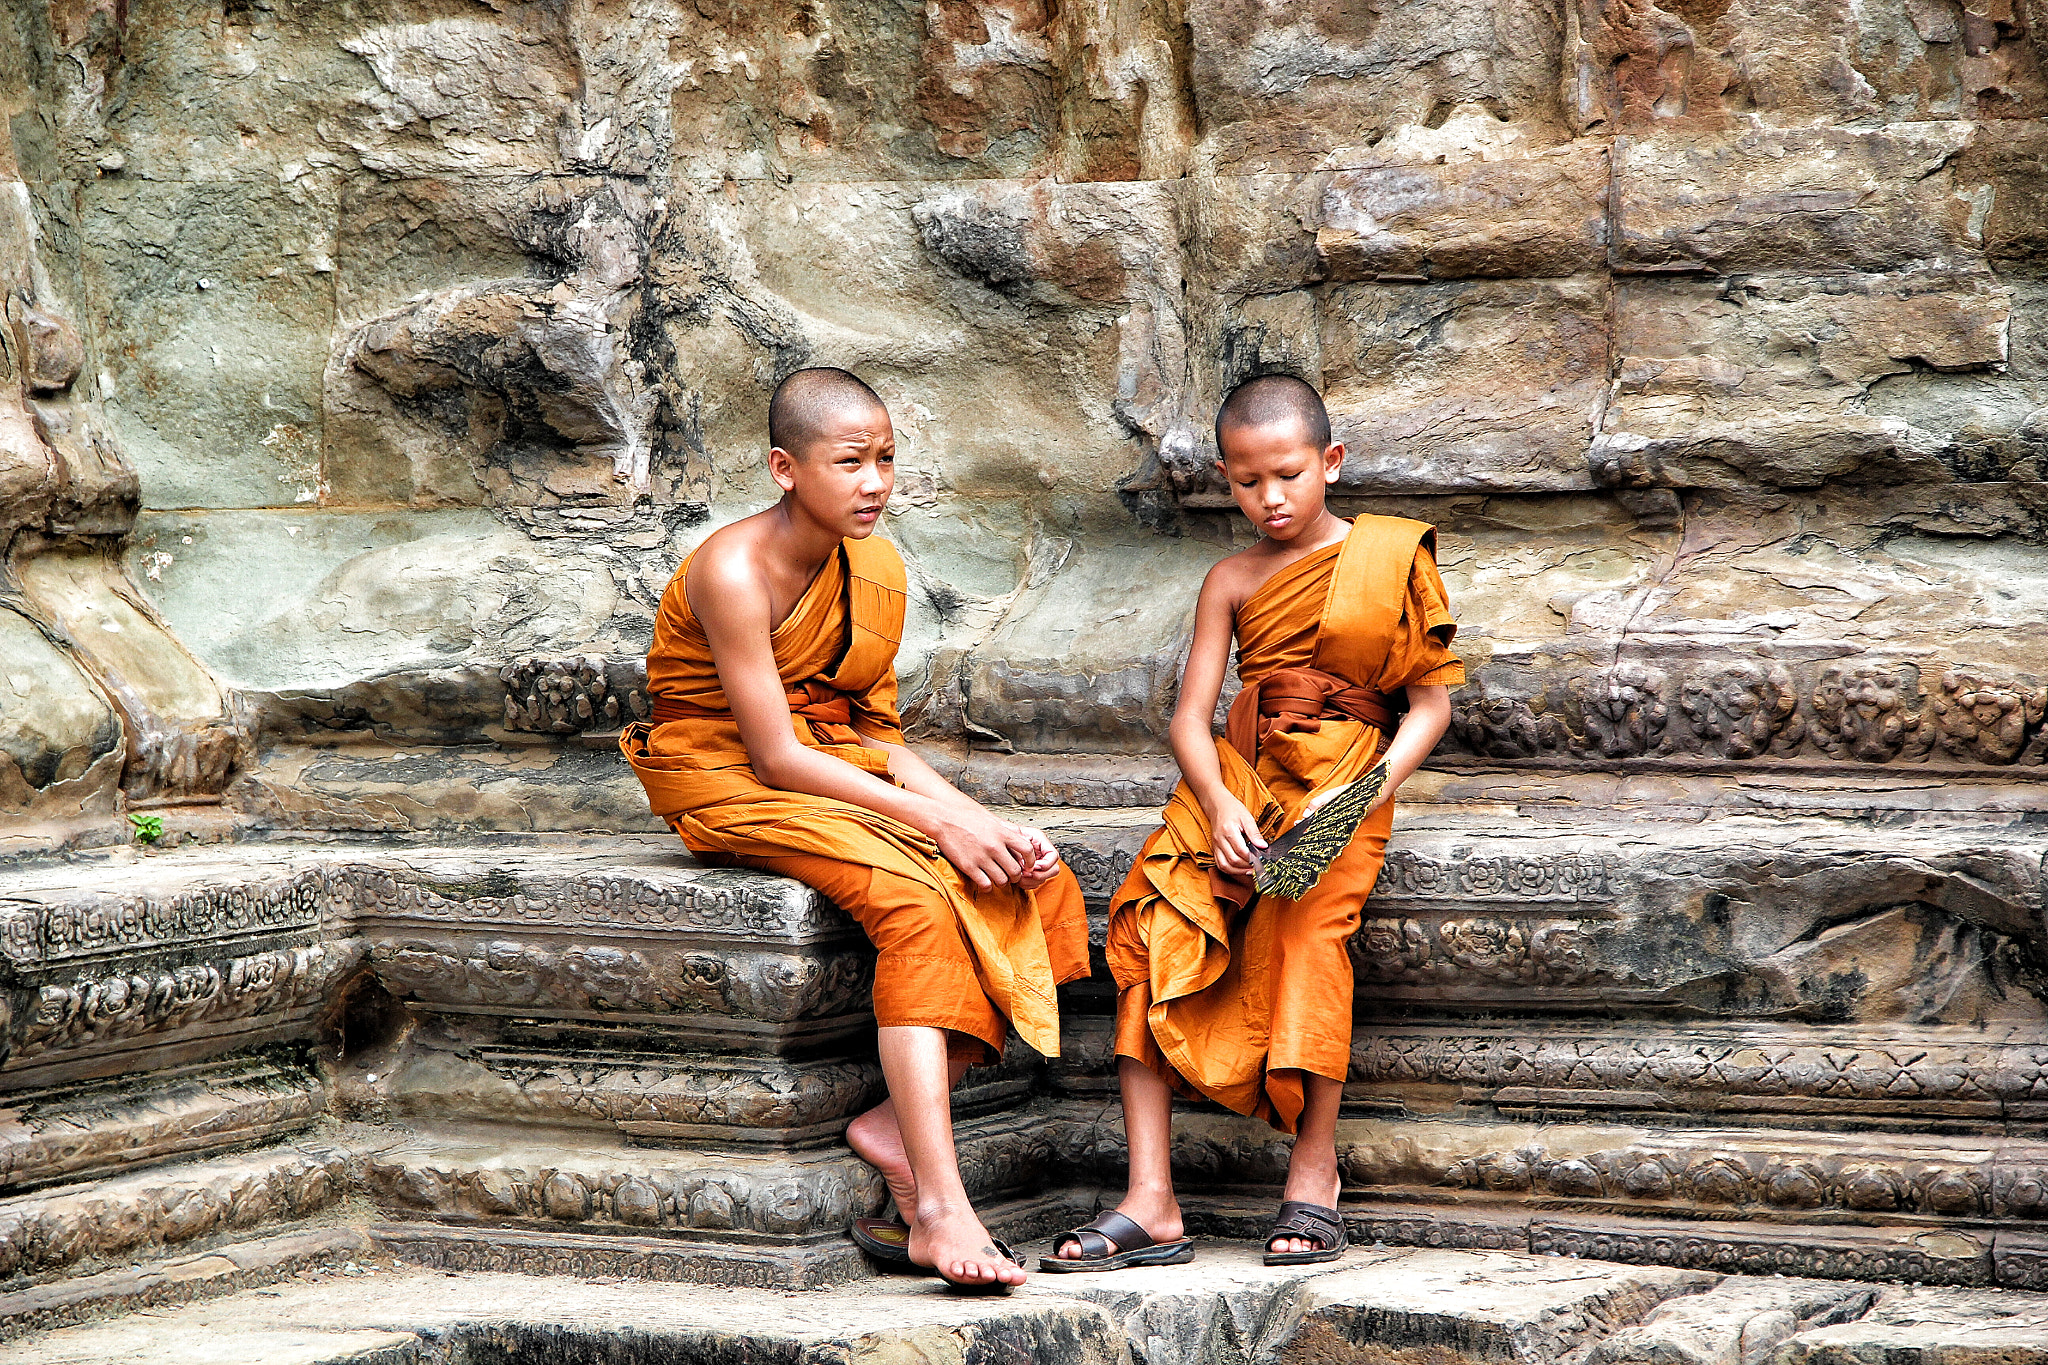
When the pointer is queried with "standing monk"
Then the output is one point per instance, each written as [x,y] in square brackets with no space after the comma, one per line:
[1241,998]
[775,744]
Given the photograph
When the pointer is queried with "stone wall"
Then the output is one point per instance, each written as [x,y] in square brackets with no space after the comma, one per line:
[369,363]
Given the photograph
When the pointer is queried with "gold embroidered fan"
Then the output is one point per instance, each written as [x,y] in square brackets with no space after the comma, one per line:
[1297,860]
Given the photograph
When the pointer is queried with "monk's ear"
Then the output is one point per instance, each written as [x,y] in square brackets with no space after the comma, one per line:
[1333,461]
[782,468]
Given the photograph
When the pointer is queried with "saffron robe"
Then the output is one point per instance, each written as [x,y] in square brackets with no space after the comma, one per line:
[949,955]
[1231,996]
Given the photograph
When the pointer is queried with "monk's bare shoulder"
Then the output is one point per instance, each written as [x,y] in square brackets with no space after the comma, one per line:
[729,569]
[1232,578]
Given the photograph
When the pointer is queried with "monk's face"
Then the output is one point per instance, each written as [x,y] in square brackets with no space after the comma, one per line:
[1278,474]
[842,478]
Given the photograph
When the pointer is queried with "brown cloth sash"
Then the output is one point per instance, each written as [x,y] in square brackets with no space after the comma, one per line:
[1290,699]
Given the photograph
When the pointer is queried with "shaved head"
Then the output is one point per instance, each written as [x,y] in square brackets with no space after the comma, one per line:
[807,403]
[1273,399]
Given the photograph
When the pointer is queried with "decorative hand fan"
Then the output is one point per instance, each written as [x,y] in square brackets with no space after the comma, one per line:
[1297,860]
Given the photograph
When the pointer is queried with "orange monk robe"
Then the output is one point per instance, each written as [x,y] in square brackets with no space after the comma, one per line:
[948,955]
[1233,1003]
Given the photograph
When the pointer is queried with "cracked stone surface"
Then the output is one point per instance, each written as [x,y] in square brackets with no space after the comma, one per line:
[1222,1309]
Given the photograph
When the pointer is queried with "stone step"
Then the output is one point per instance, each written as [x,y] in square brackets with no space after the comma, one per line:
[82,1132]
[1958,1210]
[1671,1073]
[1919,946]
[1224,1308]
[576,1180]
[439,791]
[433,1072]
[170,1209]
[715,1214]
[1792,1178]
[176,1279]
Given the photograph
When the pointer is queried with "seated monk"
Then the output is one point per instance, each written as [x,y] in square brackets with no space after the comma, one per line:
[775,744]
[1223,993]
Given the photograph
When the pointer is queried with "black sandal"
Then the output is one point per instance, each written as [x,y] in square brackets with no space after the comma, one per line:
[885,1239]
[1118,1243]
[1312,1222]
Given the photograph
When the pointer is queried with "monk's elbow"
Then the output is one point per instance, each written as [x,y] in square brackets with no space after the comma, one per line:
[775,767]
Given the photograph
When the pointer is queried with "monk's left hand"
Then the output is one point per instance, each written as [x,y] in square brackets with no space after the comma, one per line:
[1045,860]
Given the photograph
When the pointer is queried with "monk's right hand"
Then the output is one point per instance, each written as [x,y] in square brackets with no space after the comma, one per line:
[988,851]
[1236,835]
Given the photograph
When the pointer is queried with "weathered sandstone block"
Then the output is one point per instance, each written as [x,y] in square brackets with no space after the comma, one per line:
[1795,199]
[1541,215]
[1463,386]
[1275,88]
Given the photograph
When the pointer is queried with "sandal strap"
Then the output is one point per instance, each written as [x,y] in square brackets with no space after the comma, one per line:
[1317,1222]
[1107,1234]
[1125,1232]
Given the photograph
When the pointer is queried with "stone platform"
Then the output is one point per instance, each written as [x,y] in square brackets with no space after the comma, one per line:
[1381,1305]
[1739,1026]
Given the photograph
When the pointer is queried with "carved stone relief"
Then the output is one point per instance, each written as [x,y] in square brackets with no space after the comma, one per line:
[567,696]
[1863,712]
[510,974]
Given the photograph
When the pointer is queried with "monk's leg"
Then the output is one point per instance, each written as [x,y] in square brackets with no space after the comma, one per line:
[1312,1174]
[1310,1048]
[877,1138]
[1141,1071]
[1148,1133]
[945,1233]
[925,990]
[916,942]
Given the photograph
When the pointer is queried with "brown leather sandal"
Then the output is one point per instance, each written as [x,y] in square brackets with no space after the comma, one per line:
[1114,1242]
[1312,1222]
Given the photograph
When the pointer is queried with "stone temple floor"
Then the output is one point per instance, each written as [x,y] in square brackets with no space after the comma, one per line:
[1388,1306]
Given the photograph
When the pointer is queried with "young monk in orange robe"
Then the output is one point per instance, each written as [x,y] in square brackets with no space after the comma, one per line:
[1241,998]
[776,744]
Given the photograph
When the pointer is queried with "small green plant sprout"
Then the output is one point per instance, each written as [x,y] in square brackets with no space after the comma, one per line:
[148,828]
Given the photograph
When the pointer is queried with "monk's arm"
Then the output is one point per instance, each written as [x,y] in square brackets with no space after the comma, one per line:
[1429,715]
[1233,829]
[731,602]
[919,776]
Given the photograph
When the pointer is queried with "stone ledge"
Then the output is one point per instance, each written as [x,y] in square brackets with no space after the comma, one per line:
[1503,1175]
[218,1200]
[1918,1254]
[1734,919]
[83,1132]
[568,946]
[575,1180]
[1399,1306]
[179,1279]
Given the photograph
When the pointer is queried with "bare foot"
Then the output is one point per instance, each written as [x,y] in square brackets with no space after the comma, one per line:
[877,1140]
[1312,1178]
[1156,1211]
[953,1242]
